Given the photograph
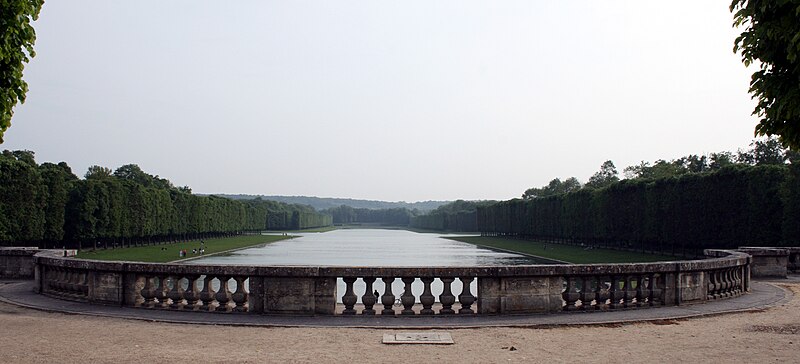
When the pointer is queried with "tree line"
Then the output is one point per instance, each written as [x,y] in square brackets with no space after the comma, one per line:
[49,206]
[767,151]
[678,207]
[344,215]
[460,216]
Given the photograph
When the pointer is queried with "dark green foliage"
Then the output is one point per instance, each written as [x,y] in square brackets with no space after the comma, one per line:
[735,206]
[49,206]
[459,215]
[771,39]
[325,203]
[22,198]
[791,211]
[604,177]
[343,215]
[555,187]
[16,48]
[58,180]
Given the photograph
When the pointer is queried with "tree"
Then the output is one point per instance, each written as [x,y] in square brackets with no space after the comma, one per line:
[97,172]
[720,160]
[16,48]
[604,177]
[555,187]
[771,37]
[764,152]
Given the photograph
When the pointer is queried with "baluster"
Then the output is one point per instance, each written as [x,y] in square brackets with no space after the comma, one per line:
[712,286]
[223,295]
[368,299]
[407,298]
[70,285]
[427,298]
[601,294]
[726,276]
[349,299]
[67,281]
[240,296]
[616,293]
[207,294]
[176,293]
[85,283]
[737,277]
[51,275]
[388,297]
[62,280]
[466,298]
[587,293]
[655,290]
[148,292]
[570,295]
[190,294]
[630,291]
[161,291]
[641,291]
[446,298]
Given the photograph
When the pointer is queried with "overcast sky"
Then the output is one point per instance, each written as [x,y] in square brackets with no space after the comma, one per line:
[388,100]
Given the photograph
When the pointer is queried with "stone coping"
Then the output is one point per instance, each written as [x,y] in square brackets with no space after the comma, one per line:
[766,251]
[720,259]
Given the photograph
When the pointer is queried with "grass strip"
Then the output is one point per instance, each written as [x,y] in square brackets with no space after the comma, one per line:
[568,253]
[323,229]
[170,252]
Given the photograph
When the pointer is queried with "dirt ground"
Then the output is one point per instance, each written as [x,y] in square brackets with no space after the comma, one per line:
[28,336]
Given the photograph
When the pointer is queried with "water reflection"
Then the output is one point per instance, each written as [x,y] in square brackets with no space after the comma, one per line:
[370,247]
[374,247]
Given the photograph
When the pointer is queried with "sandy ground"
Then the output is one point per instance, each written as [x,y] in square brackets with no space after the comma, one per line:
[29,336]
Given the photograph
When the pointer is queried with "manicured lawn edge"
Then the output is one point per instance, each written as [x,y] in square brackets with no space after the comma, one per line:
[567,253]
[169,252]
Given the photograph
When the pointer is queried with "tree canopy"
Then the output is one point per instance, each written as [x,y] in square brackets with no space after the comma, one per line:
[771,38]
[555,187]
[16,48]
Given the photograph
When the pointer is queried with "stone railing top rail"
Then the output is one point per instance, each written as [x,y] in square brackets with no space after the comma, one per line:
[19,250]
[767,251]
[720,259]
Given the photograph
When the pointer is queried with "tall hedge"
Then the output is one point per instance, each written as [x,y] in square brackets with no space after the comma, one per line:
[736,206]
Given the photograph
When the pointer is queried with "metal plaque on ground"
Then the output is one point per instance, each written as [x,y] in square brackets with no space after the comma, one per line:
[441,338]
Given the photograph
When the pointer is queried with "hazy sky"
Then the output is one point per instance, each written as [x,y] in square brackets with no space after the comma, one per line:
[389,100]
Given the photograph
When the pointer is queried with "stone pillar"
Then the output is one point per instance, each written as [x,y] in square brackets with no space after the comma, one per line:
[670,293]
[692,286]
[325,295]
[488,295]
[540,294]
[257,294]
[768,262]
[105,287]
[299,295]
[131,289]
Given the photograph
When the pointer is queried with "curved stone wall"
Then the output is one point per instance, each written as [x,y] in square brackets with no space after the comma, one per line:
[313,290]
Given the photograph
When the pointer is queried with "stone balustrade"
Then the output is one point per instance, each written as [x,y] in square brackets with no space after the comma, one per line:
[302,290]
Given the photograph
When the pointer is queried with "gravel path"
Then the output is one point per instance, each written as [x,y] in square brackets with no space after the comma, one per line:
[30,336]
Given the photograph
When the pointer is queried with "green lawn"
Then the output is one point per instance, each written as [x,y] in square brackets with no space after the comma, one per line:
[567,253]
[323,229]
[157,254]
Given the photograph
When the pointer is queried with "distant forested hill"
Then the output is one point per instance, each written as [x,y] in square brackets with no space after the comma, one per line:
[321,203]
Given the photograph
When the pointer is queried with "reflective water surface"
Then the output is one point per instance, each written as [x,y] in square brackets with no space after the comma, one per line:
[370,247]
[373,248]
